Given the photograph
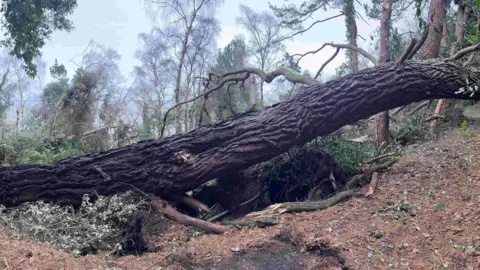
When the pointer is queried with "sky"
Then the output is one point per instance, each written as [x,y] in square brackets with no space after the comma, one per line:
[116,24]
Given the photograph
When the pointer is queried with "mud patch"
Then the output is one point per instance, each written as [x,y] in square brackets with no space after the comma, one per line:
[277,255]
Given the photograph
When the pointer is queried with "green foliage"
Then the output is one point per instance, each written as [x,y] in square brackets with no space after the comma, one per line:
[28,23]
[95,226]
[58,72]
[349,155]
[54,91]
[466,131]
[439,206]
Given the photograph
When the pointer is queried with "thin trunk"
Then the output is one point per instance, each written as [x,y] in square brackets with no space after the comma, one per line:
[351,31]
[178,111]
[382,119]
[253,94]
[176,164]
[444,42]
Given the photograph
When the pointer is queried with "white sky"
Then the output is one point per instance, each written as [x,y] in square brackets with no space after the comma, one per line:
[116,24]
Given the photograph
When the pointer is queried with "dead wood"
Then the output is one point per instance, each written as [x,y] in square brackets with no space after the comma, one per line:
[380,157]
[363,179]
[373,185]
[262,222]
[292,207]
[173,214]
[176,164]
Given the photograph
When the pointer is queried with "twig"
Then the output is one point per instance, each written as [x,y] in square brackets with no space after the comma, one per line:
[399,110]
[224,213]
[434,118]
[380,157]
[341,46]
[407,51]
[326,63]
[416,109]
[308,28]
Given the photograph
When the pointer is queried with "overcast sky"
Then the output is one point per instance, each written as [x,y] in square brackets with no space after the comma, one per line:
[116,24]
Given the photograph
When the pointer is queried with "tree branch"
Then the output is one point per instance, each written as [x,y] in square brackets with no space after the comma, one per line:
[419,44]
[326,63]
[340,46]
[464,52]
[308,28]
[407,51]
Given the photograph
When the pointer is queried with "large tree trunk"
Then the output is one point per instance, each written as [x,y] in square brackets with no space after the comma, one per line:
[431,48]
[382,119]
[159,166]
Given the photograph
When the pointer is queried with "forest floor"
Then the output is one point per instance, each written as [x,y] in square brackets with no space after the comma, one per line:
[425,214]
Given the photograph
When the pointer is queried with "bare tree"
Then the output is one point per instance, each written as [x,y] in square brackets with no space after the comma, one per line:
[181,18]
[22,83]
[153,76]
[265,41]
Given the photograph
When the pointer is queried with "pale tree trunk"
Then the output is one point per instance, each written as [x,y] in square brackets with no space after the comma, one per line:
[253,93]
[352,27]
[382,119]
[431,48]
[178,79]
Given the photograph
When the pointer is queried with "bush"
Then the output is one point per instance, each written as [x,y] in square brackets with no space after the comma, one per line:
[95,226]
[349,155]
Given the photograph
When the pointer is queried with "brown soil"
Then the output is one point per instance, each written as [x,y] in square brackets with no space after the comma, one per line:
[425,214]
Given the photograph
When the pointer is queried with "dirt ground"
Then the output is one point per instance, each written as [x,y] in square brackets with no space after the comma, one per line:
[425,214]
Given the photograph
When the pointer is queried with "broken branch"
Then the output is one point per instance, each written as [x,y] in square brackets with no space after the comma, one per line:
[419,44]
[326,63]
[173,214]
[373,185]
[407,52]
[292,207]
[464,52]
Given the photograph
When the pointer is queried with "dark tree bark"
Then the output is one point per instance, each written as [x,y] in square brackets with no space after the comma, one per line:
[159,166]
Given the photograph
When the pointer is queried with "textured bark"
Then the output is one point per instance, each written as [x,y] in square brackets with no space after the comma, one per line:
[382,119]
[436,14]
[158,166]
[352,31]
[431,48]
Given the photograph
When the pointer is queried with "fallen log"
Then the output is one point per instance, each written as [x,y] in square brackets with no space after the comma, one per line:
[292,207]
[182,162]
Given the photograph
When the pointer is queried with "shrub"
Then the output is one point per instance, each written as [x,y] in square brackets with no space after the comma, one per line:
[349,155]
[94,226]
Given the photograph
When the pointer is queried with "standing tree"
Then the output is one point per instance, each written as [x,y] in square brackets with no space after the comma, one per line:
[153,77]
[382,119]
[264,43]
[182,19]
[29,23]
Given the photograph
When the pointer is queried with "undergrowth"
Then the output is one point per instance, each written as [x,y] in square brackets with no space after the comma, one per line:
[349,155]
[97,225]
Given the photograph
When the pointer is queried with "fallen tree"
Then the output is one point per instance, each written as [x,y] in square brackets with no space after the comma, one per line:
[171,166]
